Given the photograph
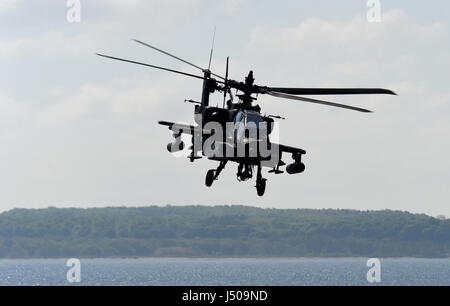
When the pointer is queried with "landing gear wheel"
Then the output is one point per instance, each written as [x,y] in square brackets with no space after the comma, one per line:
[210,178]
[261,187]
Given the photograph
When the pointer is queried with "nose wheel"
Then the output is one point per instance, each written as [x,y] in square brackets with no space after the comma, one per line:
[213,175]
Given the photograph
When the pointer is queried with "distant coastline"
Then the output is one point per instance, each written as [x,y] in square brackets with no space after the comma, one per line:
[220,233]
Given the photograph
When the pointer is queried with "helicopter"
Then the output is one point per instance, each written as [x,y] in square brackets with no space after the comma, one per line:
[238,132]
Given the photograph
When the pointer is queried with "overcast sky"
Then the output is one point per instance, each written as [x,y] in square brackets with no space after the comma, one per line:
[78,130]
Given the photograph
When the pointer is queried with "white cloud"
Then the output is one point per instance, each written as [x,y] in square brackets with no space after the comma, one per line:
[11,112]
[351,37]
[130,99]
[8,4]
[84,131]
[8,49]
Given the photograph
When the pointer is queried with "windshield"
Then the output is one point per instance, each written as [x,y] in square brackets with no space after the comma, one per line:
[253,119]
[247,123]
[240,125]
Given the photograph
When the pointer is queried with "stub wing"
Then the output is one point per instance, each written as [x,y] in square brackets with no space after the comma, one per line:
[184,128]
[291,150]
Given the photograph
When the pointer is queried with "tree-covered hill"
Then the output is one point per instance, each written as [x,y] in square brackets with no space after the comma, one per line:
[226,231]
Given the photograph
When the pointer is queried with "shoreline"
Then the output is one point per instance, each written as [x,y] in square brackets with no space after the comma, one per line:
[223,258]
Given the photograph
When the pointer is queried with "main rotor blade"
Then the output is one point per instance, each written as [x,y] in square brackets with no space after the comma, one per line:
[175,57]
[212,49]
[332,91]
[152,66]
[285,96]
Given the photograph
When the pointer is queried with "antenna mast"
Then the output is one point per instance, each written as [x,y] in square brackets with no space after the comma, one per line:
[212,49]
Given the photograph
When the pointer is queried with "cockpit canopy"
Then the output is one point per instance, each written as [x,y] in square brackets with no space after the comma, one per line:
[248,125]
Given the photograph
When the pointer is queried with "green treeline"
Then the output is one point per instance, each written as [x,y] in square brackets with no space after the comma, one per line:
[226,231]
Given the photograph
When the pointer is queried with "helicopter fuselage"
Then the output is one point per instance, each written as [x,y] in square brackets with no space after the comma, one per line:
[238,135]
[238,132]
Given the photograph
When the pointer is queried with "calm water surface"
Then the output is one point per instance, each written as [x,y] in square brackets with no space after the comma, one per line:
[218,272]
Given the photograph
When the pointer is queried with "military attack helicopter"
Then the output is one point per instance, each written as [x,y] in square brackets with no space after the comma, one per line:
[237,131]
